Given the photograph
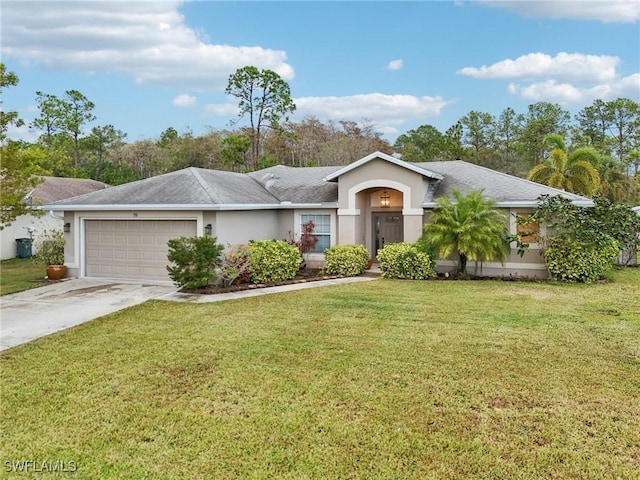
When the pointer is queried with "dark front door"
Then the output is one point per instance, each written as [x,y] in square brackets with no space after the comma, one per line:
[387,228]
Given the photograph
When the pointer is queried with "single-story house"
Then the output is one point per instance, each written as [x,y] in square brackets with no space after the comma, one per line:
[49,190]
[122,232]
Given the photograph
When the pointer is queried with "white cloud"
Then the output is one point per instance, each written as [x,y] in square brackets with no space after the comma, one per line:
[384,111]
[607,11]
[568,78]
[222,109]
[148,41]
[567,94]
[184,100]
[567,66]
[395,65]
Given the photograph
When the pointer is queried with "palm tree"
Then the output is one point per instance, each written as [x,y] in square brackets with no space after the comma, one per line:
[576,173]
[470,227]
[615,184]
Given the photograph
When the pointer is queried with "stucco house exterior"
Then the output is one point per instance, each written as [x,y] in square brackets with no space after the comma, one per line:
[122,232]
[51,189]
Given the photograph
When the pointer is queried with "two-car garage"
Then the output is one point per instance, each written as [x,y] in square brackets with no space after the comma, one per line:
[131,249]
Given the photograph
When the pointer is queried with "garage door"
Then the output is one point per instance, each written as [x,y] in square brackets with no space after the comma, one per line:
[131,249]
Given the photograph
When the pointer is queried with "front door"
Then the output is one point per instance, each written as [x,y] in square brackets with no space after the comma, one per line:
[387,228]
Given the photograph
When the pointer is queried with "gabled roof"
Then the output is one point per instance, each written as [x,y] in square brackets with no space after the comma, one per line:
[506,189]
[305,187]
[416,167]
[298,185]
[182,189]
[53,189]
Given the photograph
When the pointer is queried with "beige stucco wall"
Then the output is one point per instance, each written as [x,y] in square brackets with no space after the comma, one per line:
[19,228]
[238,227]
[359,192]
[382,174]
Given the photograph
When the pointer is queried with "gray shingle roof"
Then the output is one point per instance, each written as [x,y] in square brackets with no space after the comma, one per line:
[298,185]
[278,185]
[191,186]
[464,177]
[53,189]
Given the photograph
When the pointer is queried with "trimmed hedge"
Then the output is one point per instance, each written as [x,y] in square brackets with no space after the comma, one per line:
[405,261]
[273,261]
[570,260]
[347,260]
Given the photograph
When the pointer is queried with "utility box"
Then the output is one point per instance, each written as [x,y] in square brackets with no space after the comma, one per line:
[23,247]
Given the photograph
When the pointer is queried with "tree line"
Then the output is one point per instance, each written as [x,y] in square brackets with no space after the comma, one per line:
[70,143]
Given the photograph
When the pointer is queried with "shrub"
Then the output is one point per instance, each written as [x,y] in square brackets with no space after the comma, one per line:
[406,261]
[570,260]
[273,261]
[236,264]
[195,259]
[51,247]
[347,260]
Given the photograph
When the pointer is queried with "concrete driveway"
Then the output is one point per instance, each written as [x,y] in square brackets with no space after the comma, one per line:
[31,314]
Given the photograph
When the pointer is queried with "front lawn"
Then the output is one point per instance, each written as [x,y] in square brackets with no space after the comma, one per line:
[18,274]
[376,380]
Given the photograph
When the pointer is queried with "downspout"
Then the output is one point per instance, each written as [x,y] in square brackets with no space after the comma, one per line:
[54,215]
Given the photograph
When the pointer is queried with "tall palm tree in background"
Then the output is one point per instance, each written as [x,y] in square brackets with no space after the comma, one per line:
[576,173]
[469,226]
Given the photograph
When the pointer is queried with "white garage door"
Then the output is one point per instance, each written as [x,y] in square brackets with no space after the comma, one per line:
[131,249]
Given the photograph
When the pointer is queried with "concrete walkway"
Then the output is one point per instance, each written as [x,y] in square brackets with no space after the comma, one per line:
[35,313]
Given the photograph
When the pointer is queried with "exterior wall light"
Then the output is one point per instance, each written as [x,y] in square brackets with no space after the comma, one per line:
[385,200]
[208,229]
[67,227]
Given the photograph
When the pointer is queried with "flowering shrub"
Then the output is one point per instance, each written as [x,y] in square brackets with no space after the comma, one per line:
[236,263]
[406,261]
[195,261]
[273,261]
[347,260]
[570,260]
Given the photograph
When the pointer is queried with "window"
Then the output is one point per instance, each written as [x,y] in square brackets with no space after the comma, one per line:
[528,233]
[322,230]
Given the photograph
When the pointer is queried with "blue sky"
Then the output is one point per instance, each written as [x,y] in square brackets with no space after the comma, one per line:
[149,65]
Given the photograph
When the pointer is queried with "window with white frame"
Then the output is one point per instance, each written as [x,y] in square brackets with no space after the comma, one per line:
[321,229]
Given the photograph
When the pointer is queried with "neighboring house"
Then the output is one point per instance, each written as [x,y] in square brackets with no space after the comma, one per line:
[122,232]
[51,189]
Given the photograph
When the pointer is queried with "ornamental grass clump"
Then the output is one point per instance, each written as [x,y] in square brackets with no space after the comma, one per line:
[405,261]
[273,261]
[346,260]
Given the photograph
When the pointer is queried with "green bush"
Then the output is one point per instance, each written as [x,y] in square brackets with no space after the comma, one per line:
[195,261]
[347,260]
[570,260]
[406,261]
[273,261]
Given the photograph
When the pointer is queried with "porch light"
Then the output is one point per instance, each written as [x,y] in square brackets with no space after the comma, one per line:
[67,227]
[385,200]
[208,229]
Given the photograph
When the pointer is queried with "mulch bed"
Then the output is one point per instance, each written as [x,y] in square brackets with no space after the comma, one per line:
[302,277]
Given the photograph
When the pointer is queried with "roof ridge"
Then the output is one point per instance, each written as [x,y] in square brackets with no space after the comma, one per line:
[205,186]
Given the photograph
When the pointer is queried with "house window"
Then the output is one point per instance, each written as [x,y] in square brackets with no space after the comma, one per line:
[322,230]
[527,233]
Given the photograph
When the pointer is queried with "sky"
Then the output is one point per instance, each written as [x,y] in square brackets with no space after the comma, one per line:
[395,65]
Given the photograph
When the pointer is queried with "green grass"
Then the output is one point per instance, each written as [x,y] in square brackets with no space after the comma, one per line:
[18,274]
[377,380]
